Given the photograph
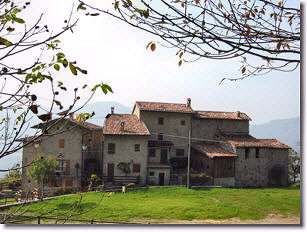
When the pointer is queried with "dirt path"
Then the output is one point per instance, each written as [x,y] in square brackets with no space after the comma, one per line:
[271,219]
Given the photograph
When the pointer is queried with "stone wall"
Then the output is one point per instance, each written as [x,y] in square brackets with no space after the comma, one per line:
[255,172]
[225,181]
[154,180]
[170,128]
[50,146]
[207,128]
[124,152]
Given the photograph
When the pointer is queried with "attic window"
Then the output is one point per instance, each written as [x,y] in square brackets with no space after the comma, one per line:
[182,122]
[160,121]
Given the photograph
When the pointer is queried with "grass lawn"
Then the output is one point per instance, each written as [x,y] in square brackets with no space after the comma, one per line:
[7,200]
[174,203]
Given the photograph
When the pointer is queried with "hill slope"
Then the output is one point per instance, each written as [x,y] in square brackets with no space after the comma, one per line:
[285,130]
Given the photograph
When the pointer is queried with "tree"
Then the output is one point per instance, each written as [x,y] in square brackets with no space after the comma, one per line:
[21,81]
[12,178]
[265,35]
[294,166]
[43,170]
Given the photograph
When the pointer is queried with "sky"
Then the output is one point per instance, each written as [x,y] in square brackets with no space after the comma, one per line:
[115,53]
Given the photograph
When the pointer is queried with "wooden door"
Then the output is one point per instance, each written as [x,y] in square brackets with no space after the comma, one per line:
[110,172]
[161,178]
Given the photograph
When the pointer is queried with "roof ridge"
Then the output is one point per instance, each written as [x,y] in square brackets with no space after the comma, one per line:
[160,102]
[218,111]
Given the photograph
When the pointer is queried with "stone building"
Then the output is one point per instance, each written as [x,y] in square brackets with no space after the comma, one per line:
[151,146]
[125,140]
[77,148]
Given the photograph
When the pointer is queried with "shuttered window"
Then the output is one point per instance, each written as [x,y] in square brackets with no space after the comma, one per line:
[61,143]
[136,167]
[111,148]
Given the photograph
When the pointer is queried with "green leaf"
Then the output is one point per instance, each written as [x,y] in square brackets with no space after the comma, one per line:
[81,7]
[65,63]
[60,55]
[84,86]
[5,42]
[19,20]
[116,4]
[73,69]
[139,10]
[16,10]
[56,67]
[94,14]
[56,41]
[81,70]
[180,63]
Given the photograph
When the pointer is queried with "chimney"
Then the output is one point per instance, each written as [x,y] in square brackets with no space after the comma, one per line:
[238,114]
[122,126]
[112,110]
[71,115]
[188,102]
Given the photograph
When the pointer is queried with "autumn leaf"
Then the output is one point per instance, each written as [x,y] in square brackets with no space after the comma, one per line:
[153,47]
[45,117]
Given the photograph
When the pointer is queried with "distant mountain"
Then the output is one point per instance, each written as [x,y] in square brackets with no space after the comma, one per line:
[101,110]
[285,130]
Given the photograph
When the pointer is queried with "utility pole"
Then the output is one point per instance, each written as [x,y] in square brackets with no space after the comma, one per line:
[189,154]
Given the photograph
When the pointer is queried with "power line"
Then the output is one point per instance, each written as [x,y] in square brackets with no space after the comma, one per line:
[192,138]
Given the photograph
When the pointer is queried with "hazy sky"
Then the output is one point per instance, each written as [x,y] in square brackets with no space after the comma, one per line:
[115,53]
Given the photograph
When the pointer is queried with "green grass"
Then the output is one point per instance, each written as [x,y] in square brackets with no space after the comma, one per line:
[175,203]
[7,200]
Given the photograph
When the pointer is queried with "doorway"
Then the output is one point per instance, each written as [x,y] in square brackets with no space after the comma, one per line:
[110,172]
[161,178]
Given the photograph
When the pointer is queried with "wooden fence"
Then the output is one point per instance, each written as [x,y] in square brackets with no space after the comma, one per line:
[22,219]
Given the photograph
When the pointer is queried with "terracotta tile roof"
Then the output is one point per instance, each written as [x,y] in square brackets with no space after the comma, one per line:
[132,125]
[86,125]
[213,150]
[164,107]
[221,115]
[250,141]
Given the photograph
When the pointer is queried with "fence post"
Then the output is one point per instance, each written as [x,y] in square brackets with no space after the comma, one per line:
[92,221]
[38,220]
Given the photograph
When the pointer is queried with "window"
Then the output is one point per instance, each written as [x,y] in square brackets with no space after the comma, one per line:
[257,152]
[246,153]
[63,166]
[182,122]
[160,121]
[111,148]
[136,147]
[160,136]
[136,167]
[179,152]
[151,173]
[152,152]
[61,143]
